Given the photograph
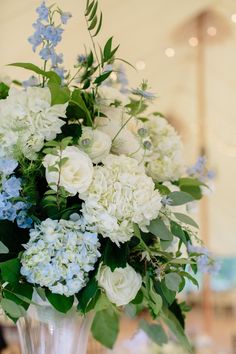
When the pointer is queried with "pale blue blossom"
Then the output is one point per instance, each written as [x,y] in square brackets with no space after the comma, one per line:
[205,263]
[143,93]
[7,166]
[65,16]
[43,12]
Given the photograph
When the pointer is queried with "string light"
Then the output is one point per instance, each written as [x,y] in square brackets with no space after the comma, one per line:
[211,31]
[193,41]
[233,18]
[170,52]
[140,65]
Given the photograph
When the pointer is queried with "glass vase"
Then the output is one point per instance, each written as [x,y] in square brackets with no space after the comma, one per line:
[46,331]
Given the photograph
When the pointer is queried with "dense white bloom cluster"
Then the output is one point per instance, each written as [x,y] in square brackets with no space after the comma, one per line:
[165,162]
[59,255]
[27,119]
[120,194]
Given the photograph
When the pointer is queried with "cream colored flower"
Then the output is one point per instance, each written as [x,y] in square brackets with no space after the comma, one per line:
[95,143]
[76,172]
[121,286]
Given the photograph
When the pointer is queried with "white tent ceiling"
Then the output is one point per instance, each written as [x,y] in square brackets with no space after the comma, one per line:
[145,29]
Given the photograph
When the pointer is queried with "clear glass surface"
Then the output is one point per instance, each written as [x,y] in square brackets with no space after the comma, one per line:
[45,331]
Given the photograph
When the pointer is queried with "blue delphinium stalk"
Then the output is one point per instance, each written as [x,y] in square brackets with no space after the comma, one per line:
[47,35]
[200,171]
[205,263]
[10,187]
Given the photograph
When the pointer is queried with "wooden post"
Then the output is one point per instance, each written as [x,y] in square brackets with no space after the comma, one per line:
[202,150]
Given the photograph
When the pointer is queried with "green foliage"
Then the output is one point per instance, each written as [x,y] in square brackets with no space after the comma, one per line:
[159,229]
[78,100]
[102,77]
[180,198]
[191,186]
[51,75]
[3,248]
[177,230]
[59,95]
[10,270]
[12,309]
[4,89]
[61,303]
[88,296]
[185,219]
[20,293]
[114,256]
[94,21]
[153,299]
[175,327]
[154,331]
[172,281]
[105,327]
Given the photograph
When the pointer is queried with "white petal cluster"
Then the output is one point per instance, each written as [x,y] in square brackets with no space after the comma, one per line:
[95,143]
[27,119]
[121,285]
[165,162]
[59,255]
[120,194]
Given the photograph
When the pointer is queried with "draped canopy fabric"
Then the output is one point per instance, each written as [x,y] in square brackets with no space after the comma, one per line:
[145,29]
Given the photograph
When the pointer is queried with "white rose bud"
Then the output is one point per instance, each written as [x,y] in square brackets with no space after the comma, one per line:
[95,143]
[76,172]
[121,286]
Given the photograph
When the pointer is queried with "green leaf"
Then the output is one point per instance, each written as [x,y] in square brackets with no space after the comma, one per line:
[175,327]
[59,95]
[12,309]
[61,303]
[4,89]
[3,248]
[154,331]
[99,26]
[162,189]
[190,277]
[180,198]
[178,232]
[78,100]
[86,295]
[105,327]
[93,24]
[102,77]
[21,294]
[159,229]
[49,74]
[89,8]
[168,294]
[194,191]
[10,270]
[138,298]
[107,50]
[93,12]
[186,219]
[114,256]
[172,281]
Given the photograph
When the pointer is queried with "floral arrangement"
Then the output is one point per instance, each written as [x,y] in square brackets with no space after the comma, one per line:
[90,186]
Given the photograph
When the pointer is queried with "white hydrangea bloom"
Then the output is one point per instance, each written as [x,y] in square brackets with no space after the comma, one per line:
[120,194]
[165,162]
[30,119]
[59,255]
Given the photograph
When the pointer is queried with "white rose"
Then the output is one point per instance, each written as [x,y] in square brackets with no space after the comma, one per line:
[125,143]
[95,143]
[121,286]
[76,173]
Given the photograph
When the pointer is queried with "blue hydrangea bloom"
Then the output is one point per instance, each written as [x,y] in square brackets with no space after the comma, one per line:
[12,187]
[23,221]
[7,167]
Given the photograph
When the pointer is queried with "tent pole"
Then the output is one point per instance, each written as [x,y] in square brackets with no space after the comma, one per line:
[202,150]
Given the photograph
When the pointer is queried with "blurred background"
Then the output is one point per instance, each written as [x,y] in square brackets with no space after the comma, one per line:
[187,51]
